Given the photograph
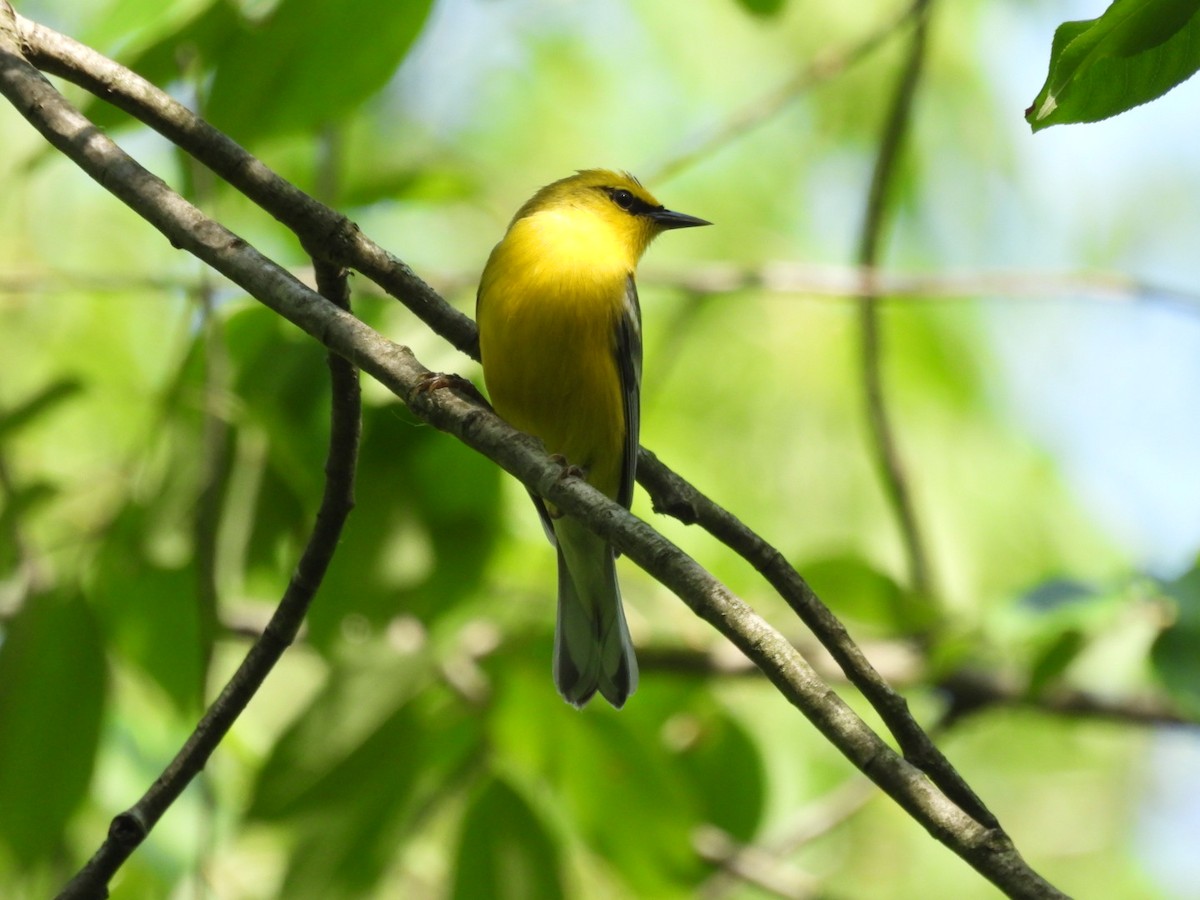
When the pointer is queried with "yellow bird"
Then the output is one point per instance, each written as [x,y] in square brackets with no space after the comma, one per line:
[560,334]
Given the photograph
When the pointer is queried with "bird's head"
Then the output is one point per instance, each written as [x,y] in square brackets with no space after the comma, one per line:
[610,202]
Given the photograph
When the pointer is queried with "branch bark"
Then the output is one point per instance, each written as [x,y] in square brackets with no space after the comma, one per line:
[987,849]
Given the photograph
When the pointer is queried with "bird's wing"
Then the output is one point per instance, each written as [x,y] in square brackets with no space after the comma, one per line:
[629,364]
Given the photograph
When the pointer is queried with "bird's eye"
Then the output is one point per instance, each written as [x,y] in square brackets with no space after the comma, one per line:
[622,198]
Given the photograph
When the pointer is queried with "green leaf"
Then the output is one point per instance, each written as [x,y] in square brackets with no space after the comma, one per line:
[505,852]
[310,64]
[1053,623]
[357,702]
[1137,51]
[867,595]
[52,690]
[426,518]
[764,8]
[150,611]
[726,769]
[1053,659]
[634,806]
[38,405]
[197,40]
[1176,652]
[371,755]
[138,23]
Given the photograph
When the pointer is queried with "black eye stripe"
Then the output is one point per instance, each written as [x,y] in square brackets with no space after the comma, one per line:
[629,201]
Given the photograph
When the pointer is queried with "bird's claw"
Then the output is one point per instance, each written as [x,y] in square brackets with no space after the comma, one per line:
[569,470]
[437,381]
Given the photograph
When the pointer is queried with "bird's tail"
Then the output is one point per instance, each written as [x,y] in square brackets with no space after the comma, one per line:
[592,649]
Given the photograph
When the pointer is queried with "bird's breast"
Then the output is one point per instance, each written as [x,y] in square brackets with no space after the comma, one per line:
[547,331]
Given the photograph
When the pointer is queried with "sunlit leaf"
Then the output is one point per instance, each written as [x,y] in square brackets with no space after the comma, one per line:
[608,770]
[139,23]
[1054,659]
[194,43]
[377,749]
[38,405]
[1135,52]
[865,594]
[311,63]
[423,528]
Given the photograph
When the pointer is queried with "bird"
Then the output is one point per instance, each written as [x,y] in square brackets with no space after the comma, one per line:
[560,338]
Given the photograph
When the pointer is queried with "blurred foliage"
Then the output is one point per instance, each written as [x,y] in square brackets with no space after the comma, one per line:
[1137,51]
[161,435]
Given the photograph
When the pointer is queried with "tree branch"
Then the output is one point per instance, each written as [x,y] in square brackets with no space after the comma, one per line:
[787,277]
[824,67]
[887,451]
[298,211]
[749,862]
[331,235]
[129,829]
[674,496]
[987,849]
[967,691]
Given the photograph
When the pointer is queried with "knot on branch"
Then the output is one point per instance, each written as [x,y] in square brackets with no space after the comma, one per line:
[330,238]
[128,829]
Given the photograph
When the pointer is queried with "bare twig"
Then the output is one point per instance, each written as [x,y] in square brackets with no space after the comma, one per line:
[839,282]
[746,862]
[331,236]
[750,864]
[131,827]
[824,67]
[972,691]
[676,497]
[987,849]
[967,691]
[131,93]
[887,451]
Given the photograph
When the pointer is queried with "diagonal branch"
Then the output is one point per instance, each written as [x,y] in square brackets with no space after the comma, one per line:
[887,451]
[324,230]
[333,236]
[988,850]
[312,220]
[825,67]
[683,501]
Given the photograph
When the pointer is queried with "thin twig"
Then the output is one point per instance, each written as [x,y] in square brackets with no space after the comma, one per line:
[216,465]
[839,282]
[989,850]
[170,118]
[741,862]
[968,691]
[972,691]
[331,235]
[131,827]
[748,864]
[883,435]
[824,67]
[89,69]
[675,497]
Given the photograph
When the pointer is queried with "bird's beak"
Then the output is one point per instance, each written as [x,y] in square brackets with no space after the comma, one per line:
[666,218]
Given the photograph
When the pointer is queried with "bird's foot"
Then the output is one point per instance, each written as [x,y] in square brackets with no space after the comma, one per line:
[438,381]
[569,470]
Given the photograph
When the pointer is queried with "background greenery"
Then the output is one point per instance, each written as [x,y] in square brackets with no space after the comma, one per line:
[161,443]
